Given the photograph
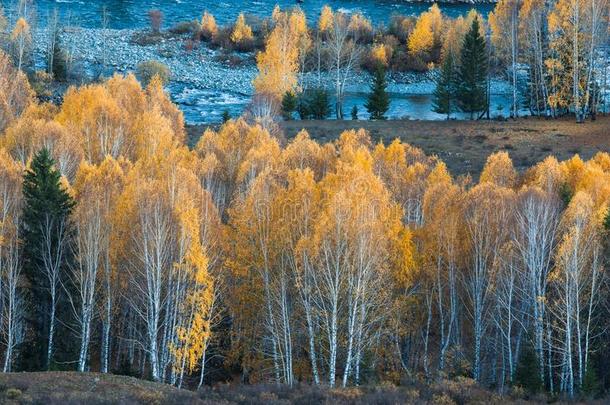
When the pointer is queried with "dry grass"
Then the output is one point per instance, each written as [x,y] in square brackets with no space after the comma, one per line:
[52,388]
[465,145]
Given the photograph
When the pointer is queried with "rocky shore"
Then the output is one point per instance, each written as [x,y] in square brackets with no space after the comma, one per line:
[204,81]
[115,49]
[201,67]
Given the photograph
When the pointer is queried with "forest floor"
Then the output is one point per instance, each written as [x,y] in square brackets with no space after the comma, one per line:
[66,388]
[465,145]
[55,388]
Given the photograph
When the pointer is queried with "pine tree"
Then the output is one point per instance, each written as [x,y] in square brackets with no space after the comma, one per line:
[289,104]
[355,112]
[45,245]
[472,74]
[318,105]
[378,101]
[445,92]
[60,61]
[591,386]
[527,374]
[226,116]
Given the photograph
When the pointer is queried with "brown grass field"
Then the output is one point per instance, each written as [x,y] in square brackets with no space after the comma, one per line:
[465,145]
[67,388]
[51,388]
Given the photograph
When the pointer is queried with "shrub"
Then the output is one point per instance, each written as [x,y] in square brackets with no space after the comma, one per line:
[241,35]
[41,84]
[156,20]
[591,387]
[185,27]
[13,393]
[148,69]
[209,29]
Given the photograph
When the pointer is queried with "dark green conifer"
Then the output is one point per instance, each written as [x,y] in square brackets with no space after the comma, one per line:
[527,374]
[378,102]
[46,240]
[289,104]
[472,74]
[445,91]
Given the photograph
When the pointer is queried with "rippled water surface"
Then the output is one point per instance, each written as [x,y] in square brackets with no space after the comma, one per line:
[133,13]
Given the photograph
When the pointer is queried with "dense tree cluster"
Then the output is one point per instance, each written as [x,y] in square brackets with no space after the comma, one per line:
[341,263]
[554,56]
[123,250]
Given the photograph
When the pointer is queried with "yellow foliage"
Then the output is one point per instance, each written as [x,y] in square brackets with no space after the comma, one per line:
[278,65]
[15,92]
[381,54]
[21,29]
[359,25]
[241,31]
[326,20]
[499,170]
[208,25]
[421,39]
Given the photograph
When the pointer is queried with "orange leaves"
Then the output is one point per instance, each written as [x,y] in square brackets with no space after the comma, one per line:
[15,92]
[278,64]
[499,170]
[241,31]
[118,118]
[208,25]
[21,29]
[326,20]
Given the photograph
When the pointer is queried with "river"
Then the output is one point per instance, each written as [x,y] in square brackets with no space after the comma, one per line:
[133,13]
[205,100]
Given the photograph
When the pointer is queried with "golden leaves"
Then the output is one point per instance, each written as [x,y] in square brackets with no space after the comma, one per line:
[241,31]
[278,64]
[499,170]
[208,25]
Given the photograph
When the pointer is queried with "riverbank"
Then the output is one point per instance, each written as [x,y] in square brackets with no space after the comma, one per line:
[205,82]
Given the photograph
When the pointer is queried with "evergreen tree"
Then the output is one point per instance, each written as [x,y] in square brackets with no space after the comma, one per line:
[591,386]
[355,112]
[289,104]
[378,101]
[527,374]
[46,232]
[226,116]
[60,61]
[445,91]
[318,104]
[472,74]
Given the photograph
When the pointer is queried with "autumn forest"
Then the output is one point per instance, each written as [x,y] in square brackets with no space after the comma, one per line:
[245,256]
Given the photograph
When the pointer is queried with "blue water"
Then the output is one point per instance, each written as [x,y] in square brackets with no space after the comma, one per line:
[206,105]
[133,13]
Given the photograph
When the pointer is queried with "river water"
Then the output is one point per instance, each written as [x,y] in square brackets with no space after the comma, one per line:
[205,104]
[133,13]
